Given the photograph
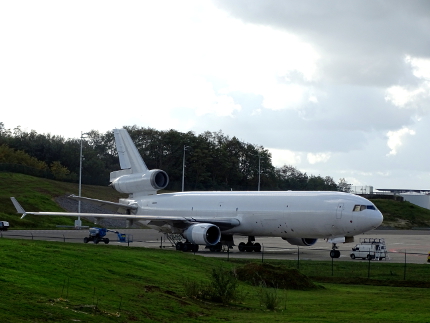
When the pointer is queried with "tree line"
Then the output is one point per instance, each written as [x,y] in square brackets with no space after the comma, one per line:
[213,160]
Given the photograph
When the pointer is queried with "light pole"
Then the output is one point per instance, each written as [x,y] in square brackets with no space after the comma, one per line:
[259,170]
[78,222]
[183,168]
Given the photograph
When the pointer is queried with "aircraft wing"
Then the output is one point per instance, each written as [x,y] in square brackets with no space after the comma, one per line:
[112,206]
[223,223]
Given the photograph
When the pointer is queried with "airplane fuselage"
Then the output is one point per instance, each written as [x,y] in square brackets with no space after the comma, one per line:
[286,214]
[212,218]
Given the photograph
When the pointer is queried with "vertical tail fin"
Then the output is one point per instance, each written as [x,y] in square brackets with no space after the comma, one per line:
[134,176]
[129,157]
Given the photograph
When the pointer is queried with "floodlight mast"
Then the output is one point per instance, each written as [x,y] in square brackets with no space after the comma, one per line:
[78,222]
[183,167]
[259,170]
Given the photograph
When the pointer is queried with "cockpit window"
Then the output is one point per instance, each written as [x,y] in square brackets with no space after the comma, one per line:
[358,208]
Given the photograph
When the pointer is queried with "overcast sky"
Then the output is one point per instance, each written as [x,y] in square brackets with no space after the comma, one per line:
[334,88]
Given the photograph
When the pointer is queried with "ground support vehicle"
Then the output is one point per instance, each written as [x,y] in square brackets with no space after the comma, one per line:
[4,225]
[98,234]
[370,248]
[122,237]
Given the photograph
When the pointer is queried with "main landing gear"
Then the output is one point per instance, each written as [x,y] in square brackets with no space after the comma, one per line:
[187,246]
[250,245]
[334,253]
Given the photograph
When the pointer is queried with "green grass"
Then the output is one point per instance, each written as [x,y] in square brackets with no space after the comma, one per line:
[38,194]
[403,215]
[59,282]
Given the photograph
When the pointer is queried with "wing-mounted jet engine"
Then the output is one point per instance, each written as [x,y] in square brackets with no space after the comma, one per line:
[301,241]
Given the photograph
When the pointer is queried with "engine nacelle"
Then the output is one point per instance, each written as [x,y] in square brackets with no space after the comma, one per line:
[203,233]
[154,179]
[301,241]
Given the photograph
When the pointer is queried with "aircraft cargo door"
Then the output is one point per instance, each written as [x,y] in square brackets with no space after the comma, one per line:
[339,210]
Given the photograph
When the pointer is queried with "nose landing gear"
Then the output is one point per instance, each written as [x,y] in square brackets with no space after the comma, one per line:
[334,253]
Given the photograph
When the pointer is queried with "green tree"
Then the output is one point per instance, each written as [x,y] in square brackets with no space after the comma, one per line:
[59,171]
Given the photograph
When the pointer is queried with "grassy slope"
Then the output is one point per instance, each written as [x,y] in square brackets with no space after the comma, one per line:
[403,215]
[37,194]
[59,282]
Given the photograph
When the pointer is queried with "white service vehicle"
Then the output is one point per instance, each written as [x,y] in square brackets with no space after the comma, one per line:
[370,248]
[4,225]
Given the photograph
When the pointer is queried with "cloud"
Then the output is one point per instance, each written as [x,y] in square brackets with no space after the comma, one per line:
[395,139]
[414,96]
[361,42]
[223,105]
[326,85]
[282,157]
[318,158]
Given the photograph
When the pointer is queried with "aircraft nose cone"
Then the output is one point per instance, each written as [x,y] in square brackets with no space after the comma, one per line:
[375,219]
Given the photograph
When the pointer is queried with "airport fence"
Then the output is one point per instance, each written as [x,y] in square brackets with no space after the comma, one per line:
[60,237]
[396,267]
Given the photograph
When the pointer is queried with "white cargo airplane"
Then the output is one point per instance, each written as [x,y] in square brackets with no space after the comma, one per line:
[213,218]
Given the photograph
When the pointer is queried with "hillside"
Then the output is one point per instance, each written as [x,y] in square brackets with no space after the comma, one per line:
[403,215]
[38,194]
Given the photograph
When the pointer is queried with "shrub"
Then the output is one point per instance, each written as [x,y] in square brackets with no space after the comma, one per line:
[269,296]
[221,288]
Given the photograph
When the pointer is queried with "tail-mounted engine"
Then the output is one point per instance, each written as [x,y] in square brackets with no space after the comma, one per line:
[154,179]
[301,241]
[203,234]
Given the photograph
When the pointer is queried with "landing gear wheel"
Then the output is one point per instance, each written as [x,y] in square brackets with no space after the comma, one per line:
[179,246]
[218,247]
[195,248]
[334,253]
[185,247]
[242,246]
[257,247]
[249,247]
